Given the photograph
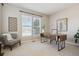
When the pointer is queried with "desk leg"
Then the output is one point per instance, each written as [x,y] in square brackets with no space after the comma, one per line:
[75,40]
[64,44]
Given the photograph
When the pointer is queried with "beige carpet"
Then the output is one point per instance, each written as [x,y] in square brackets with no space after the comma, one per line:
[35,48]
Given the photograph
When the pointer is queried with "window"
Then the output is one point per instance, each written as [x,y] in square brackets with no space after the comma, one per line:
[31,25]
[36,25]
[26,26]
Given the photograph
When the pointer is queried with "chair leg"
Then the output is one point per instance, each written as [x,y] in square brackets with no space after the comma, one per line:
[19,42]
[62,45]
[41,39]
[50,41]
[58,46]
[4,47]
[10,48]
[56,42]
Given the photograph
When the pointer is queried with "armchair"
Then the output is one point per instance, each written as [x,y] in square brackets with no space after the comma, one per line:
[10,43]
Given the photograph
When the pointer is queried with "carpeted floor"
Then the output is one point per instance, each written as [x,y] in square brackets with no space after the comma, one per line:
[35,48]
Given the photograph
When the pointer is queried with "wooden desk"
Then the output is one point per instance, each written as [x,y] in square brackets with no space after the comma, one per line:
[60,39]
[1,54]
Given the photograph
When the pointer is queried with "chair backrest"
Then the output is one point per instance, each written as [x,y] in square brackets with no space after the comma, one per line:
[14,35]
[3,39]
[63,37]
[41,34]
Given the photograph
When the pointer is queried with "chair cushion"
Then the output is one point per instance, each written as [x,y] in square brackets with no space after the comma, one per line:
[12,42]
[8,40]
[8,36]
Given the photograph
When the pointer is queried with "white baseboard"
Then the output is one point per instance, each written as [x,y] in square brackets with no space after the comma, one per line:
[75,44]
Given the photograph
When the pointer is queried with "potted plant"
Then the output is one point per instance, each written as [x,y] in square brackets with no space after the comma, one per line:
[76,36]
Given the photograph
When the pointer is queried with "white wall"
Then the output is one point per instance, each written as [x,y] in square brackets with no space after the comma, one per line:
[45,21]
[73,21]
[13,11]
[0,17]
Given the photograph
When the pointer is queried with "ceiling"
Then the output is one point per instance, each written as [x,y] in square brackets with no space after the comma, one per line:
[46,8]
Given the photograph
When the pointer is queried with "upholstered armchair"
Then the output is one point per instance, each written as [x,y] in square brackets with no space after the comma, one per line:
[10,42]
